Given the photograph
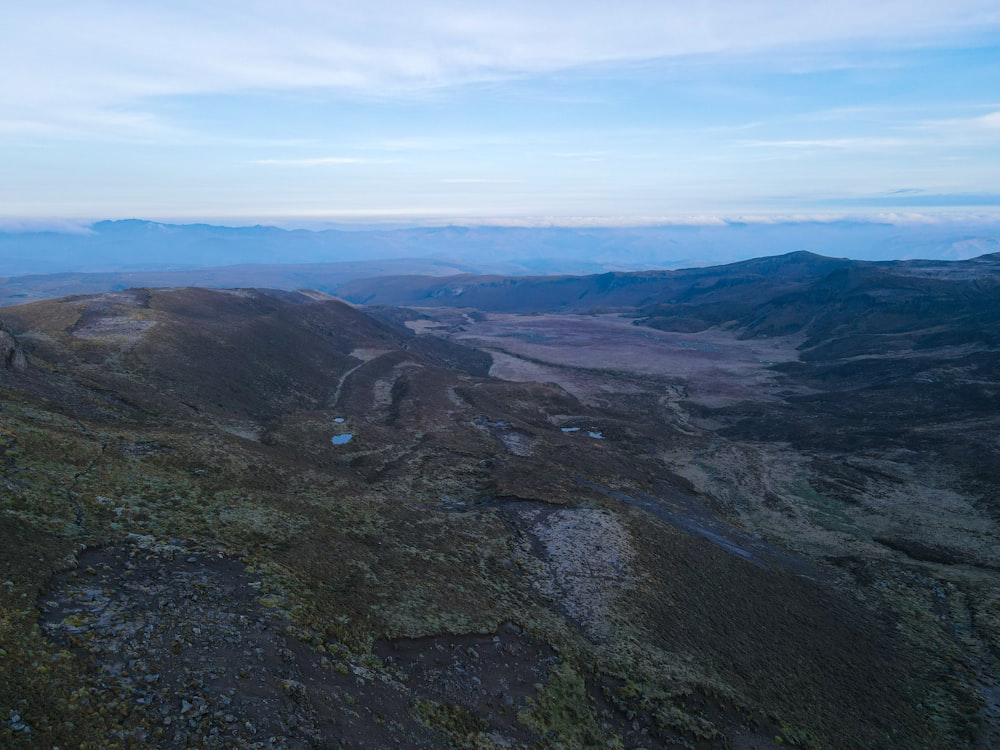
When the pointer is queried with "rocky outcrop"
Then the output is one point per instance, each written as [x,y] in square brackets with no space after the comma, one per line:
[11,354]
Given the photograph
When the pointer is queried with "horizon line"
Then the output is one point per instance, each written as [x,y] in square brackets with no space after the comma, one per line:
[319,222]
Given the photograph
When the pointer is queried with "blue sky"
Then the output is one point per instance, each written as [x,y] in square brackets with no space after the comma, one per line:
[533,112]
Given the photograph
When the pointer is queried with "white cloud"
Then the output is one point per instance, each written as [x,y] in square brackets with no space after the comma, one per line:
[95,57]
[957,131]
[592,155]
[874,143]
[985,124]
[942,216]
[991,121]
[477,181]
[322,161]
[63,226]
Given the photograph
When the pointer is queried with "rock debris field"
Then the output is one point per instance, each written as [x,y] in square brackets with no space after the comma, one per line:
[182,641]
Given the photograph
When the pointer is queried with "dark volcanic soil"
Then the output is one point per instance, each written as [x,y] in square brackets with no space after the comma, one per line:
[183,642]
[179,638]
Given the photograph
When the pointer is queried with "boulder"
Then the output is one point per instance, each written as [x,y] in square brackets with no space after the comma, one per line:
[11,355]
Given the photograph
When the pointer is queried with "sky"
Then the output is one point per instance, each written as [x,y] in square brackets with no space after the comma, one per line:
[534,112]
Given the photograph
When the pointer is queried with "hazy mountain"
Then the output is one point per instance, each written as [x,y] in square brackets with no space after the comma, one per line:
[325,277]
[133,245]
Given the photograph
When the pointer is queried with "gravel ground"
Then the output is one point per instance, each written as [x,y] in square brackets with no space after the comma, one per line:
[191,652]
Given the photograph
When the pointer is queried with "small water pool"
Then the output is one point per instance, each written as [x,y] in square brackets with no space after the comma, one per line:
[596,435]
[570,429]
[342,439]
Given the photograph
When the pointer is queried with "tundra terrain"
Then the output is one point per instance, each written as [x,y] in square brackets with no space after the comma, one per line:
[755,519]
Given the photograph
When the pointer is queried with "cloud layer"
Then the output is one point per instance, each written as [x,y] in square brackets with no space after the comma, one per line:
[90,63]
[515,109]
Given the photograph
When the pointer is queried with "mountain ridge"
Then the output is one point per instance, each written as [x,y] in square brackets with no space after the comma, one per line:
[763,278]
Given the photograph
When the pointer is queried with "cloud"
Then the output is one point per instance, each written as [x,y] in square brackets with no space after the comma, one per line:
[691,220]
[322,161]
[110,56]
[990,121]
[874,143]
[62,226]
[477,181]
[592,155]
[988,125]
[921,200]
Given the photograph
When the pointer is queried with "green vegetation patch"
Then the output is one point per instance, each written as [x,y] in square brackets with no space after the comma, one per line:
[562,715]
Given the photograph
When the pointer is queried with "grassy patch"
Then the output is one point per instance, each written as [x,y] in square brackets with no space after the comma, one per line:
[561,714]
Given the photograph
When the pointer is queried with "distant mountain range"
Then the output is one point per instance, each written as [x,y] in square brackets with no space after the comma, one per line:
[327,277]
[134,245]
[753,292]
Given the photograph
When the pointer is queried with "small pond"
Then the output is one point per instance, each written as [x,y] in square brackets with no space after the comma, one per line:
[341,439]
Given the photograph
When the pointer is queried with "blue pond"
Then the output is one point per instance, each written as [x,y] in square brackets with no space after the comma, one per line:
[570,429]
[341,439]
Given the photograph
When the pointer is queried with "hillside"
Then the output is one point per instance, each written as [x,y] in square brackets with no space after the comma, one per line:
[231,516]
[690,298]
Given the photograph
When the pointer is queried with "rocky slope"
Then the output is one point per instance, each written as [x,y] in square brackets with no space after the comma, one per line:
[11,354]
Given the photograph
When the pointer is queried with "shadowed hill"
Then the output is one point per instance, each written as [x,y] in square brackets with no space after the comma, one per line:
[871,298]
[241,353]
[689,299]
[610,291]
